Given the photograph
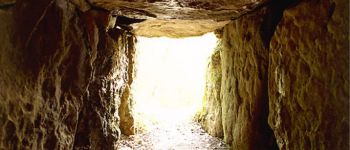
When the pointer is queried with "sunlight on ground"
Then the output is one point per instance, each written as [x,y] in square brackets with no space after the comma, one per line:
[170,76]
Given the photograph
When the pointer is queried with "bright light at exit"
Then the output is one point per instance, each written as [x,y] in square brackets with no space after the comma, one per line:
[170,77]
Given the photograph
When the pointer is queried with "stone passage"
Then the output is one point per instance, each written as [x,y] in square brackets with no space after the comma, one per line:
[279,78]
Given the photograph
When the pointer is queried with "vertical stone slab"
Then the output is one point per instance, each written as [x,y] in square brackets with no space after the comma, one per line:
[309,76]
[103,112]
[244,63]
[125,108]
[44,75]
[210,115]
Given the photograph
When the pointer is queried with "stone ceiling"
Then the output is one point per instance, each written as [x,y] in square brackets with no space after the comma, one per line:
[173,18]
[178,18]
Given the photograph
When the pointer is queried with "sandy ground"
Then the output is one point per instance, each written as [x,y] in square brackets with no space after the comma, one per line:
[172,135]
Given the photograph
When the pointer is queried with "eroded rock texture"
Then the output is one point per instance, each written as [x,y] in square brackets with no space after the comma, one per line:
[43,77]
[309,77]
[280,79]
[62,76]
[179,18]
[289,66]
[211,114]
[244,85]
[107,113]
[243,92]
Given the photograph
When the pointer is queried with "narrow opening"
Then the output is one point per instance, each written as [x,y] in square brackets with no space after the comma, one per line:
[169,83]
[168,91]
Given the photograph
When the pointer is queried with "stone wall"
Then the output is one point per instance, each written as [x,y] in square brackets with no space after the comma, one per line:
[283,75]
[309,77]
[243,93]
[285,78]
[244,85]
[62,76]
[210,115]
[107,112]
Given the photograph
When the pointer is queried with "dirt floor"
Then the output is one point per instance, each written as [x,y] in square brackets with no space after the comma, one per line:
[184,135]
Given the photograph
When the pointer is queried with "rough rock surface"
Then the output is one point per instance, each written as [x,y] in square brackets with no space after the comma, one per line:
[106,113]
[57,89]
[309,77]
[210,115]
[244,99]
[197,16]
[179,9]
[243,92]
[299,79]
[176,28]
[126,104]
[43,76]
[66,71]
